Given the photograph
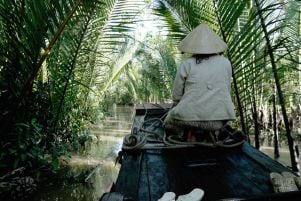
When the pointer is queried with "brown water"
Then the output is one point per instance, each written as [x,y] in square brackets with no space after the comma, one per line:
[99,155]
[284,155]
[284,152]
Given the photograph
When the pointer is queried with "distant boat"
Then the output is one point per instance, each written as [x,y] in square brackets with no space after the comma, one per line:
[151,167]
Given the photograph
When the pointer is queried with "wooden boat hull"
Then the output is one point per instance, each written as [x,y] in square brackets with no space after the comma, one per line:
[223,173]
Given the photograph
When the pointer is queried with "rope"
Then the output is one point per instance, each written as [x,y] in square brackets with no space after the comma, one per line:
[149,139]
[143,136]
[191,143]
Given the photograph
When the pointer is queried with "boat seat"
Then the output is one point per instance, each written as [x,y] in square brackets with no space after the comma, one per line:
[206,163]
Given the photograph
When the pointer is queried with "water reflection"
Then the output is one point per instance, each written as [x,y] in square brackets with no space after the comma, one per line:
[98,158]
[106,140]
[284,152]
[284,155]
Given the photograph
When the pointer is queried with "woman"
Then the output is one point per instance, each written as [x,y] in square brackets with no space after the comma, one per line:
[201,91]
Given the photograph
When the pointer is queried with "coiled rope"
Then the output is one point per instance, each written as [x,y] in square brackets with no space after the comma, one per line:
[148,139]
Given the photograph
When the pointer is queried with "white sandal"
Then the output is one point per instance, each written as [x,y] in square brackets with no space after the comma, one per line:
[168,196]
[195,195]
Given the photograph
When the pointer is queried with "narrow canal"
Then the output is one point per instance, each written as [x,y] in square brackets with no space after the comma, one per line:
[94,168]
[98,158]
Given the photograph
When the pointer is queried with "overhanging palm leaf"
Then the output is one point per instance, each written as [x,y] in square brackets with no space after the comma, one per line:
[173,25]
[25,36]
[117,42]
[48,48]
[183,15]
[258,38]
[70,60]
[31,29]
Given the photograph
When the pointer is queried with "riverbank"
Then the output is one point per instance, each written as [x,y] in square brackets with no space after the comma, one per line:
[92,170]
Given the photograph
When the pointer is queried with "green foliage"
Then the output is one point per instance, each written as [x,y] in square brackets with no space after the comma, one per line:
[147,77]
[28,150]
[157,72]
[45,97]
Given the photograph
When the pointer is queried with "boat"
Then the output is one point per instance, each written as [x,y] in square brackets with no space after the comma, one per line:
[150,166]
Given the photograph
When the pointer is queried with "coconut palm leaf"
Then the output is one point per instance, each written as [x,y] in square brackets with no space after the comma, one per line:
[288,51]
[121,21]
[182,16]
[173,24]
[115,41]
[29,38]
[264,22]
[74,62]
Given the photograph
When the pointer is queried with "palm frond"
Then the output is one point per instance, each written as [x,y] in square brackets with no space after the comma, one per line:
[252,49]
[183,15]
[116,40]
[25,35]
[70,62]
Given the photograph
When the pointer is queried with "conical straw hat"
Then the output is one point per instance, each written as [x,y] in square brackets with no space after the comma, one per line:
[202,40]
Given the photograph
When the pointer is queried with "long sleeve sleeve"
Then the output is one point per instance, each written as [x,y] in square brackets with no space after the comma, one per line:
[179,83]
[229,70]
[201,90]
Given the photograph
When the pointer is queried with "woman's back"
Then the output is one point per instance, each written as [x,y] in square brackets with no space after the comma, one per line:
[206,94]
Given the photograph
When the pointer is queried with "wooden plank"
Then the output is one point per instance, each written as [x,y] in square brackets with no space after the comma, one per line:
[221,172]
[244,177]
[153,177]
[157,174]
[138,121]
[264,160]
[151,108]
[128,178]
[225,173]
[187,170]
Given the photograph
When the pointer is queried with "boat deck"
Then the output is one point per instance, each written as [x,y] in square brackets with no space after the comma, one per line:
[147,173]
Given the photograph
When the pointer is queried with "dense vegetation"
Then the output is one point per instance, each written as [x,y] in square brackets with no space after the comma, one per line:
[63,62]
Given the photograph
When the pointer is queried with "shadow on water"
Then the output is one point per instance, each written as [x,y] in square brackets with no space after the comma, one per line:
[98,159]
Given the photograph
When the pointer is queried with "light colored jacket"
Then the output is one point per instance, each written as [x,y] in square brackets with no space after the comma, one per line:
[203,90]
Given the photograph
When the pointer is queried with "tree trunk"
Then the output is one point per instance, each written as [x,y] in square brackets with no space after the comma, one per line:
[290,140]
[240,109]
[275,127]
[256,125]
